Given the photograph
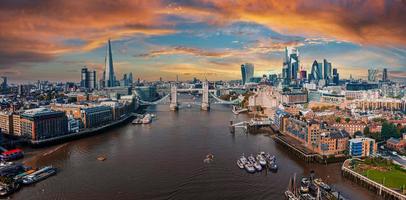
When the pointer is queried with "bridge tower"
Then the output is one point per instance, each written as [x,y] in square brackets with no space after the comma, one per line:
[205,96]
[174,98]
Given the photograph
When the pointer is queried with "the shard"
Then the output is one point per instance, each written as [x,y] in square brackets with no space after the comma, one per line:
[109,79]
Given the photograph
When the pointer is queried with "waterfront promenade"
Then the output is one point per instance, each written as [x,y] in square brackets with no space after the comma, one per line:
[380,189]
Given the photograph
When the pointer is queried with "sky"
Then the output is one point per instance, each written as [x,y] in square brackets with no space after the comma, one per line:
[54,39]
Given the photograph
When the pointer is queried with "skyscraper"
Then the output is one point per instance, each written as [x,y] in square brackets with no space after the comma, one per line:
[372,74]
[317,71]
[4,86]
[88,79]
[130,79]
[385,75]
[336,77]
[247,72]
[109,77]
[327,71]
[290,65]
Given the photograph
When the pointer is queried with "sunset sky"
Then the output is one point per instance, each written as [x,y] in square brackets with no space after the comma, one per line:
[53,40]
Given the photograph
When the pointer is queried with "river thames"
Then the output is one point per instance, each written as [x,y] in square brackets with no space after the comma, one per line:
[164,160]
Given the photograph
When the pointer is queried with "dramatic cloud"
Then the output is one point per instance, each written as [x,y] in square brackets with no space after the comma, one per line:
[377,22]
[184,51]
[38,32]
[47,28]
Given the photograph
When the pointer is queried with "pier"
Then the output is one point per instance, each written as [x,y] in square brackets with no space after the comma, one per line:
[296,148]
[379,189]
[251,126]
[80,134]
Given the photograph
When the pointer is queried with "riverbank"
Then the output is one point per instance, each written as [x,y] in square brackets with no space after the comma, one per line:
[349,172]
[80,134]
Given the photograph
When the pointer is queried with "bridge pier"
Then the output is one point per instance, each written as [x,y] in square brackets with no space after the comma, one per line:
[205,96]
[174,99]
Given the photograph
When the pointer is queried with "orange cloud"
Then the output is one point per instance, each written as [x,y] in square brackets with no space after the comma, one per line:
[376,22]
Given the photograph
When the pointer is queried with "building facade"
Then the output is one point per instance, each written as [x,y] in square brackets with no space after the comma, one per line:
[42,123]
[247,72]
[96,116]
[362,147]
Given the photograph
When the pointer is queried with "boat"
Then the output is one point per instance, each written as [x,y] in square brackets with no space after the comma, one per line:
[19,176]
[305,181]
[249,167]
[261,160]
[307,197]
[240,164]
[137,121]
[290,196]
[258,166]
[147,119]
[252,159]
[273,167]
[304,189]
[39,175]
[13,154]
[243,160]
[319,182]
[101,158]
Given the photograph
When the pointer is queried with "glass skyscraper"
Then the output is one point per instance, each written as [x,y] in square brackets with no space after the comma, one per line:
[109,77]
[317,71]
[247,72]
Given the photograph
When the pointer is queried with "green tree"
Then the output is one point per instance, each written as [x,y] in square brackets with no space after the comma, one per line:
[367,132]
[338,119]
[388,130]
[347,119]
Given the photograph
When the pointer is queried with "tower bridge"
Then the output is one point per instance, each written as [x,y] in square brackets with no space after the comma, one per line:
[173,98]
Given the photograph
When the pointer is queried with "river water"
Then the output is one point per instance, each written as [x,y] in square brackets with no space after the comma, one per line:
[164,160]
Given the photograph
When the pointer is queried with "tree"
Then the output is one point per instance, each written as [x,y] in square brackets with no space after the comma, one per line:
[347,119]
[357,133]
[388,130]
[338,119]
[367,131]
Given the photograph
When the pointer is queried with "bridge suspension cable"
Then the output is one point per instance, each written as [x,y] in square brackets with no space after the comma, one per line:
[142,102]
[221,101]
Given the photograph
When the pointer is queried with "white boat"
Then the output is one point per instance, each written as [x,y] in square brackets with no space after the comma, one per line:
[249,167]
[240,164]
[258,166]
[243,160]
[147,119]
[261,160]
[252,159]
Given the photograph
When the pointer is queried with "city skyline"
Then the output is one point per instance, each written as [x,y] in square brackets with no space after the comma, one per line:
[199,38]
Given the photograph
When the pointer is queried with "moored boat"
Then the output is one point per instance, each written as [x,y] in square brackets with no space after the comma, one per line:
[240,164]
[261,160]
[39,175]
[249,167]
[258,166]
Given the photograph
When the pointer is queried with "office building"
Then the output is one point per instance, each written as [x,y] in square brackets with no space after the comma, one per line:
[336,77]
[3,85]
[361,147]
[303,74]
[109,76]
[17,124]
[96,116]
[372,75]
[290,68]
[88,79]
[317,71]
[385,75]
[327,71]
[6,123]
[247,72]
[43,123]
